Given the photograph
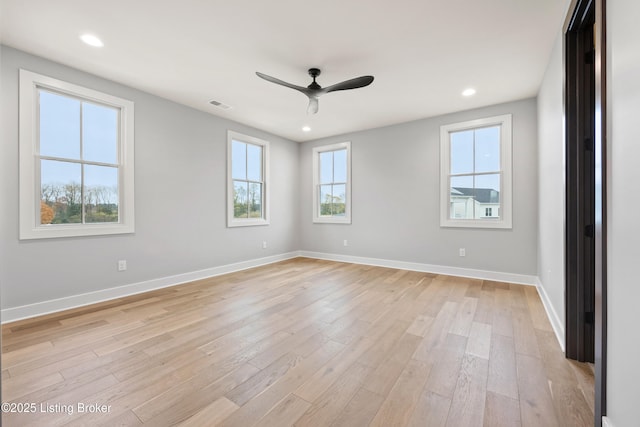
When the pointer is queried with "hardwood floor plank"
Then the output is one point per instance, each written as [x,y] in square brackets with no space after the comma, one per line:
[536,402]
[503,375]
[486,307]
[126,419]
[524,336]
[436,335]
[568,397]
[16,387]
[360,410]
[179,403]
[323,378]
[432,410]
[385,375]
[262,379]
[420,325]
[479,342]
[259,406]
[586,383]
[328,405]
[468,401]
[501,411]
[404,396]
[212,414]
[444,374]
[285,413]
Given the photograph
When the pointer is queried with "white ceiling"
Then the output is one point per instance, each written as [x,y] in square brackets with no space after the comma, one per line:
[423,53]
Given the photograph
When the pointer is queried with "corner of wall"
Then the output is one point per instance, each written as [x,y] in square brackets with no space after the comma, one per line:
[556,322]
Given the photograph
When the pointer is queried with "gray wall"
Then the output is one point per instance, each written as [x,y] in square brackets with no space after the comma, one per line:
[395,173]
[551,181]
[180,189]
[623,86]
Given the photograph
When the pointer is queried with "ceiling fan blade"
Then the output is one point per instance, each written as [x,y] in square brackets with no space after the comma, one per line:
[282,83]
[349,84]
[313,105]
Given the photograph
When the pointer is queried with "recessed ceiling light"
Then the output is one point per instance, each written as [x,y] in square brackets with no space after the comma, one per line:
[306,129]
[91,40]
[468,92]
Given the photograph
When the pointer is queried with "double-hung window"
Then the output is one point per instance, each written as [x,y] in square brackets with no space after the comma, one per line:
[247,163]
[332,183]
[475,167]
[76,160]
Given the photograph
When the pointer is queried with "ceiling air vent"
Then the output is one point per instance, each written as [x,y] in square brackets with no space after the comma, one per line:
[219,104]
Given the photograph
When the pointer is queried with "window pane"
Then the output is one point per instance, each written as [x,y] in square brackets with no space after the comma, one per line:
[339,198]
[326,167]
[325,200]
[100,194]
[59,126]
[99,133]
[240,192]
[487,149]
[254,162]
[60,189]
[461,152]
[489,184]
[487,194]
[461,197]
[255,200]
[238,160]
[340,166]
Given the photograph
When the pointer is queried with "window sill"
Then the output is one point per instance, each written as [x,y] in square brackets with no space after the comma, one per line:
[247,223]
[471,223]
[84,230]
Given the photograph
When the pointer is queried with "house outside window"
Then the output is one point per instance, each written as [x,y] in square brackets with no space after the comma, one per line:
[332,183]
[76,160]
[475,181]
[247,180]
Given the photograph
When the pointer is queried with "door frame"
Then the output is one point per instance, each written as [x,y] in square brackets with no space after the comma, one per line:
[576,12]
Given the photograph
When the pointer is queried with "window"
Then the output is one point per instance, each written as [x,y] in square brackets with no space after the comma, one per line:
[475,167]
[76,160]
[332,183]
[247,160]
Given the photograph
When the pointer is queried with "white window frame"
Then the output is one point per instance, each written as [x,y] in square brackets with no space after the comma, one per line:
[245,222]
[505,218]
[317,218]
[30,227]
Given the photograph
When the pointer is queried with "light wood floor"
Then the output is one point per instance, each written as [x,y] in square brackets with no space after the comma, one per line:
[301,342]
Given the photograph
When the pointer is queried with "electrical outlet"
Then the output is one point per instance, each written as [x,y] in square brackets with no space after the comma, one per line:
[345,242]
[264,244]
[122,265]
[463,252]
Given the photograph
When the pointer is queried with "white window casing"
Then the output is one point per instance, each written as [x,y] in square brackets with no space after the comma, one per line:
[262,181]
[455,209]
[31,85]
[344,214]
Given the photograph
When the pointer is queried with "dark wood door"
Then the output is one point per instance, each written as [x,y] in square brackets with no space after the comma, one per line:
[585,222]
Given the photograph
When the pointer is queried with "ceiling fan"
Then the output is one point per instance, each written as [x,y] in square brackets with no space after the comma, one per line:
[314,90]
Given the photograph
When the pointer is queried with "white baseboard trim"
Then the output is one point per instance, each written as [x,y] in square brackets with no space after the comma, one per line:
[46,307]
[556,323]
[606,422]
[521,279]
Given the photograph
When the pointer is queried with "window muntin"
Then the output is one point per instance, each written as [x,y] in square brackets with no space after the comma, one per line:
[76,160]
[476,173]
[247,178]
[331,183]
